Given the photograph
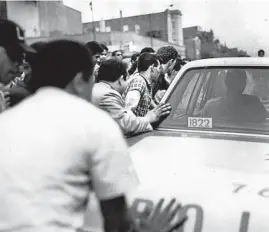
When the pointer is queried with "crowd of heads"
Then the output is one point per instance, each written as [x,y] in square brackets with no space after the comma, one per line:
[58,63]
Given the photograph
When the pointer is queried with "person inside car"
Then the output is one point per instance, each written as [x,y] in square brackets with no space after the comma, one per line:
[235,105]
[107,96]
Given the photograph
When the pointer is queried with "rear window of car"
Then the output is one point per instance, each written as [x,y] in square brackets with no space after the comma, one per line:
[224,98]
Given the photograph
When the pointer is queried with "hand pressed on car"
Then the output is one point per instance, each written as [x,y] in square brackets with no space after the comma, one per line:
[4,99]
[158,112]
[7,99]
[160,220]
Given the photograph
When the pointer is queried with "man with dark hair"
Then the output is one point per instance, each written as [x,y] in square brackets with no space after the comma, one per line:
[134,59]
[117,55]
[261,53]
[104,47]
[164,81]
[96,50]
[104,53]
[138,95]
[168,55]
[12,50]
[19,89]
[64,144]
[148,50]
[107,96]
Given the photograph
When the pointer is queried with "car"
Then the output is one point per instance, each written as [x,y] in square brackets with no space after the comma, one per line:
[212,151]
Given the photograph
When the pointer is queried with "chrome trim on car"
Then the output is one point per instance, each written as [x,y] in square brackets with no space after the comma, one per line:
[214,132]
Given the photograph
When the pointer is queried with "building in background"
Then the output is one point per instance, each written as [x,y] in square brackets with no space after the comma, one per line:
[192,42]
[50,20]
[164,27]
[129,42]
[43,18]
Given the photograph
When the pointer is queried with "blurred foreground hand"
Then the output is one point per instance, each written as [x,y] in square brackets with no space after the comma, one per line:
[162,219]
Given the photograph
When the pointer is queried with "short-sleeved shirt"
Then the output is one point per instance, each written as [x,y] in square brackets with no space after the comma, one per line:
[49,162]
[142,85]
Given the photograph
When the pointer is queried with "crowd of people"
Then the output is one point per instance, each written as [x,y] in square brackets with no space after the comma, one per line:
[65,107]
[131,91]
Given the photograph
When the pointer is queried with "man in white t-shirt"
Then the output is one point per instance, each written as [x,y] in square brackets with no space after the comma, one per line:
[56,148]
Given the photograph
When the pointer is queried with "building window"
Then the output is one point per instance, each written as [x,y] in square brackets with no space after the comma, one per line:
[108,29]
[154,34]
[97,29]
[174,25]
[125,28]
[137,28]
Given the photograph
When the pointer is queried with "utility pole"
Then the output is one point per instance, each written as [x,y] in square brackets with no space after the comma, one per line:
[93,24]
[121,30]
[150,31]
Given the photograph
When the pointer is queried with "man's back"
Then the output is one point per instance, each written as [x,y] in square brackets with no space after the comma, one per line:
[52,148]
[112,102]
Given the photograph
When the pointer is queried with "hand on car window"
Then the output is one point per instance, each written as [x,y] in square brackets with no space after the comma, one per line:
[158,112]
[7,99]
[161,218]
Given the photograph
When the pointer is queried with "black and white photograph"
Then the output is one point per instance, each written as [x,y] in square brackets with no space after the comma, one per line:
[134,116]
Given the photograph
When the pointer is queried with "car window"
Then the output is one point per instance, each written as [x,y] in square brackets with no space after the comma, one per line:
[182,95]
[226,98]
[202,97]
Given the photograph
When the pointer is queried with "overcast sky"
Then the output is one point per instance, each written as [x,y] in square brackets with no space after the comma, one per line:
[239,23]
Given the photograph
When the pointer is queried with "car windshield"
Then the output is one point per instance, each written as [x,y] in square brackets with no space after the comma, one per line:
[223,99]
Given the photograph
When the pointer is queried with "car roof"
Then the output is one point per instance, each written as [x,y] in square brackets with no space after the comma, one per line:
[231,61]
